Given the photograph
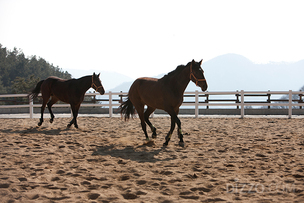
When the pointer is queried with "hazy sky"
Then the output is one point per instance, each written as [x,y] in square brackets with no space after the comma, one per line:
[146,38]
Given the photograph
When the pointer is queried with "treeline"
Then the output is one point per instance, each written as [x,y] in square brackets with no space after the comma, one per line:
[19,74]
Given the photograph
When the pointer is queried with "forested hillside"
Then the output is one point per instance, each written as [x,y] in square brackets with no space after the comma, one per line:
[19,74]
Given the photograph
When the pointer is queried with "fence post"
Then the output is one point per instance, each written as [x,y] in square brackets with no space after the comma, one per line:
[268,100]
[290,104]
[31,107]
[300,99]
[237,99]
[242,104]
[207,100]
[110,105]
[196,104]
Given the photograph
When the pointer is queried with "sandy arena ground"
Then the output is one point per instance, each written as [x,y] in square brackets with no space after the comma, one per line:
[108,160]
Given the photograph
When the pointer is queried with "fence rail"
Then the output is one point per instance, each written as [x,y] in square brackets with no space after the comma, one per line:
[239,101]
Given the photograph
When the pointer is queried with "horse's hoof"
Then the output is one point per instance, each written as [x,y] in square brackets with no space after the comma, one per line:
[76,126]
[182,144]
[51,120]
[165,144]
[68,126]
[39,124]
[154,136]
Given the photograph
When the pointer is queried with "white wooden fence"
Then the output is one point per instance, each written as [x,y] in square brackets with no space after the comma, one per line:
[240,103]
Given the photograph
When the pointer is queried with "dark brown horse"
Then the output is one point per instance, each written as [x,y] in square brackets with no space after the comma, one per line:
[69,91]
[165,93]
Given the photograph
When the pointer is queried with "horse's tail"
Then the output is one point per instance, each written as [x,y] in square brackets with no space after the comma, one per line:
[127,109]
[34,93]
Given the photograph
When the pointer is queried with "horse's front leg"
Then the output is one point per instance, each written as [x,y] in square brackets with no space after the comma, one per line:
[180,133]
[75,123]
[71,123]
[175,119]
[168,137]
[181,138]
[75,114]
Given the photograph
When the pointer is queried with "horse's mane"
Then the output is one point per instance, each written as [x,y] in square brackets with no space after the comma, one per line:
[176,71]
[86,76]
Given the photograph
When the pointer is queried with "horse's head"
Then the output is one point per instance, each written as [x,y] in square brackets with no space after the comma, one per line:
[96,84]
[197,75]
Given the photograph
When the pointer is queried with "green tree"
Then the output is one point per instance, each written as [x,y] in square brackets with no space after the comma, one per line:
[2,88]
[20,74]
[22,85]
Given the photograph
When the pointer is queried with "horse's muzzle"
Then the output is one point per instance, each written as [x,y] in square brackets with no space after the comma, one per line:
[204,87]
[101,90]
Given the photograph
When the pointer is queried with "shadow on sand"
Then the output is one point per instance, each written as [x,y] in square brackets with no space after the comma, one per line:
[140,154]
[40,130]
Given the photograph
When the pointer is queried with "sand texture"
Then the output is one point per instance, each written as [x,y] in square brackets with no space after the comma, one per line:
[108,160]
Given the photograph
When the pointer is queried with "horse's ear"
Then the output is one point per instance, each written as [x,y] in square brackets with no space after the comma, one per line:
[94,74]
[98,75]
[192,61]
[201,62]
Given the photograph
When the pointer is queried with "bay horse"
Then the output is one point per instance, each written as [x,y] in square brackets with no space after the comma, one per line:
[165,93]
[70,91]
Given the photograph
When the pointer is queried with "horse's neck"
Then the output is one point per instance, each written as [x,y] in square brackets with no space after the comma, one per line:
[181,80]
[85,83]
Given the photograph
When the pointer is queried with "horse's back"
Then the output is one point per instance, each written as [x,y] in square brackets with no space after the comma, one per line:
[66,90]
[54,86]
[55,79]
[148,91]
[143,83]
[144,80]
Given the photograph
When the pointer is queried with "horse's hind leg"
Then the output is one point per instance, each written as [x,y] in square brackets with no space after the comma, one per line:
[140,111]
[49,105]
[42,110]
[147,114]
[45,99]
[75,114]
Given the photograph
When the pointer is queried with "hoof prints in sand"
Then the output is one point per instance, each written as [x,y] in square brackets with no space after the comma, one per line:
[107,160]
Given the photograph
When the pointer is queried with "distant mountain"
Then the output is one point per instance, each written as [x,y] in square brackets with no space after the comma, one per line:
[234,72]
[229,72]
[123,87]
